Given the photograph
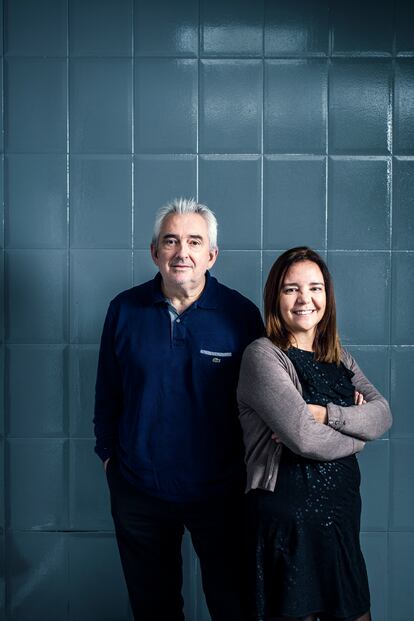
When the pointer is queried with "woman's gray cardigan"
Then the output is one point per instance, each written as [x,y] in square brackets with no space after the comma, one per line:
[270,401]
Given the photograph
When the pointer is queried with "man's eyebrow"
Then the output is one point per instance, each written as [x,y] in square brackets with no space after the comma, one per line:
[174,236]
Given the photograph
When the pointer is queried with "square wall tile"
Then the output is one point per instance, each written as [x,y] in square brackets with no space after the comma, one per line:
[374,362]
[362,27]
[35,105]
[96,277]
[100,27]
[36,201]
[360,107]
[404,27]
[100,193]
[294,202]
[361,283]
[100,105]
[36,390]
[144,267]
[402,207]
[2,234]
[83,362]
[165,105]
[2,297]
[375,550]
[36,28]
[38,484]
[37,577]
[240,270]
[359,204]
[299,86]
[296,27]
[404,107]
[231,187]
[374,463]
[402,326]
[230,106]
[97,589]
[89,503]
[165,28]
[2,107]
[402,365]
[159,179]
[231,28]
[402,484]
[401,570]
[36,282]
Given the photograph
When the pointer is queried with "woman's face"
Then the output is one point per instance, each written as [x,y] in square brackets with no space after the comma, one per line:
[302,300]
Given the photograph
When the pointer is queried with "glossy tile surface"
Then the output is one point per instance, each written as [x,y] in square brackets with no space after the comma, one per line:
[32,505]
[240,270]
[100,28]
[97,591]
[374,465]
[36,280]
[35,105]
[158,180]
[374,362]
[402,362]
[96,277]
[402,327]
[404,107]
[164,28]
[232,28]
[36,201]
[404,19]
[359,193]
[230,106]
[362,27]
[100,202]
[294,202]
[402,485]
[402,210]
[401,555]
[89,496]
[36,391]
[83,361]
[37,576]
[300,85]
[298,28]
[144,267]
[100,105]
[165,106]
[360,107]
[231,187]
[36,28]
[361,282]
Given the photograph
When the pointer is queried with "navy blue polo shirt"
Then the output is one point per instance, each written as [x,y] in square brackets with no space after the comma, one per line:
[166,398]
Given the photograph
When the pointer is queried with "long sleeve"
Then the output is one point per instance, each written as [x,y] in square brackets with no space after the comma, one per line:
[368,421]
[108,391]
[266,388]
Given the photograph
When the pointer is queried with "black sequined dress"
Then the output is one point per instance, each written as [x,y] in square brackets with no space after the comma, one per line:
[303,538]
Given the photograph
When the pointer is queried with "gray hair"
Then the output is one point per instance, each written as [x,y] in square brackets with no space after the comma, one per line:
[183,206]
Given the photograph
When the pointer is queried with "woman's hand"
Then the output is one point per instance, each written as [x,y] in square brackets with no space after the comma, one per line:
[319,413]
[359,398]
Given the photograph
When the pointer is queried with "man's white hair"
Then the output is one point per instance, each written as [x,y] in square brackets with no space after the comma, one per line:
[184,206]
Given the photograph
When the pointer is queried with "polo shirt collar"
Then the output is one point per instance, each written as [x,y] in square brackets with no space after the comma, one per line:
[208,299]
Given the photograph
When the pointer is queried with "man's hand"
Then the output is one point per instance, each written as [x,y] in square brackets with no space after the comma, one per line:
[105,464]
[319,413]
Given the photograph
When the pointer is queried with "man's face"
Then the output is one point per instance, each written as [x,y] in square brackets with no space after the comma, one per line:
[183,253]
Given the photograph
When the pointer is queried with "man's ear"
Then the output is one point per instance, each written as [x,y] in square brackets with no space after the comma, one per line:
[154,253]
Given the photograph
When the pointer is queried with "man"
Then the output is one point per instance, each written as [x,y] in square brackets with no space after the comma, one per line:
[166,420]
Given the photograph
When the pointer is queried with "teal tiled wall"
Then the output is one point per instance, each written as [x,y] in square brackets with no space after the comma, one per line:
[294,121]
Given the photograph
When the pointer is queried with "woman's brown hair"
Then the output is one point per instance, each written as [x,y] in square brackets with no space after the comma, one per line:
[326,345]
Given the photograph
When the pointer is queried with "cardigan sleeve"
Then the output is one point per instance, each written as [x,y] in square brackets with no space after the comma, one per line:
[368,421]
[266,388]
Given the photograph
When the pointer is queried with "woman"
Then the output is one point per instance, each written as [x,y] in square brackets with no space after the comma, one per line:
[306,409]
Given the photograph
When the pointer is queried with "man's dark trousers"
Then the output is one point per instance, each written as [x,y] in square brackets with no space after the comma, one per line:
[149,532]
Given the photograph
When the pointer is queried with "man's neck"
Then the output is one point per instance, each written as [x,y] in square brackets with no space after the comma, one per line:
[182,297]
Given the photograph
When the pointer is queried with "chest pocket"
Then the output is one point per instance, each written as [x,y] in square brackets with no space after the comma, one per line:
[215,357]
